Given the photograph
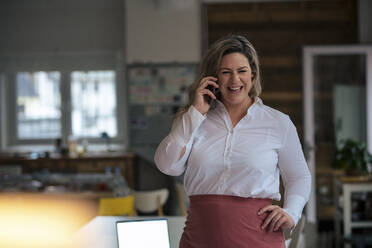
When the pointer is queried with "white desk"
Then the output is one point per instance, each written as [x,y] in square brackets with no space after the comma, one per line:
[348,185]
[101,231]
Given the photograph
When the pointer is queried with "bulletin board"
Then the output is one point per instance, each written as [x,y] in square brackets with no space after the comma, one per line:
[155,93]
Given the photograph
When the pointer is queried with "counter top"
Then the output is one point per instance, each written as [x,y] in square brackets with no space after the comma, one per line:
[89,156]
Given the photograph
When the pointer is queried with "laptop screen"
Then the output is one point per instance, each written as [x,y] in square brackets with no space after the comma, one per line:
[143,233]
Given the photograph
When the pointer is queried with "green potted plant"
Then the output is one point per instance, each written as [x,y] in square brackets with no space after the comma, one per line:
[353,157]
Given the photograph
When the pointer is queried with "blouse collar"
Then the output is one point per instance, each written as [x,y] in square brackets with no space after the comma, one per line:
[220,106]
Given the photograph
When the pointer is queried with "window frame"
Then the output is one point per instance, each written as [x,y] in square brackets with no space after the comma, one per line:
[308,55]
[2,112]
[65,64]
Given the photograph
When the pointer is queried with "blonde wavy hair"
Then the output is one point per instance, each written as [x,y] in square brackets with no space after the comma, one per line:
[211,62]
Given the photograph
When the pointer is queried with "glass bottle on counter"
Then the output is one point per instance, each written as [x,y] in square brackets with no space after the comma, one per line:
[72,145]
[120,185]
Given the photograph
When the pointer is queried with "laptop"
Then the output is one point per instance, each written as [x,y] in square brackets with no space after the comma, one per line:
[143,233]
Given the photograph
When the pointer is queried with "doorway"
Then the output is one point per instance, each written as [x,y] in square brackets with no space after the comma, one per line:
[337,106]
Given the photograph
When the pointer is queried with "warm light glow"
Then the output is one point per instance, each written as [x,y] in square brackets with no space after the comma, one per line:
[39,221]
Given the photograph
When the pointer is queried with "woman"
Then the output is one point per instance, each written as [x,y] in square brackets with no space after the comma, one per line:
[232,155]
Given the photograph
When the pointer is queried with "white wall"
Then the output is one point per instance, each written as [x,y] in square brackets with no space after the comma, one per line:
[365,21]
[163,31]
[59,26]
[156,30]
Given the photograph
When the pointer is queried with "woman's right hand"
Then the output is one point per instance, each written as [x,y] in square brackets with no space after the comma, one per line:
[201,102]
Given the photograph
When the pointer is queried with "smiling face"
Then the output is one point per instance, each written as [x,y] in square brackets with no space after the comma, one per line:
[235,80]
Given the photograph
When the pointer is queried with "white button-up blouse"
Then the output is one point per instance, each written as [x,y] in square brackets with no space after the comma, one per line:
[245,160]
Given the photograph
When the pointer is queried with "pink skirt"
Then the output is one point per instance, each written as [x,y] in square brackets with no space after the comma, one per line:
[227,222]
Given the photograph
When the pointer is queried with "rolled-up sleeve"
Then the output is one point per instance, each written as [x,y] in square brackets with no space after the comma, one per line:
[167,155]
[294,172]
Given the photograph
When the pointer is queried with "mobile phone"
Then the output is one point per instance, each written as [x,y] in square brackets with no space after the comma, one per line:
[209,99]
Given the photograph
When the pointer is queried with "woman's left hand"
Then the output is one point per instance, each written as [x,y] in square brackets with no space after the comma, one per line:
[276,219]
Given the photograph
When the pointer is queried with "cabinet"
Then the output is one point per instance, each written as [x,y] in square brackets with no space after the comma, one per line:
[353,201]
[96,163]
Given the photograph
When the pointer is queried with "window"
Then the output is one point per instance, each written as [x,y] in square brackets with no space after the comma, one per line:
[93,103]
[38,105]
[56,104]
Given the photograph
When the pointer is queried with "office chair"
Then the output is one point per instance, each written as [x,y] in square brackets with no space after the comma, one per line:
[117,206]
[150,201]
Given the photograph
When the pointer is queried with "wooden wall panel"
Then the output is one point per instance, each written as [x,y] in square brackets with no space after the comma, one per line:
[279,30]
